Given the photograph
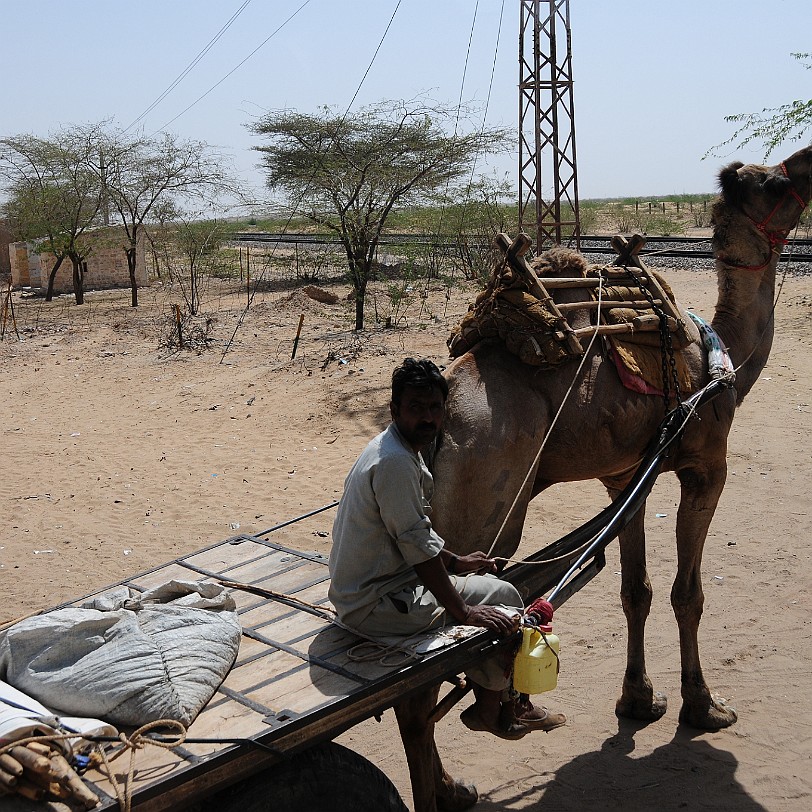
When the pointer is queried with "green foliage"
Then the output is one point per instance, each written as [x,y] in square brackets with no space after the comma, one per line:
[588,211]
[662,225]
[53,193]
[772,126]
[348,173]
[624,218]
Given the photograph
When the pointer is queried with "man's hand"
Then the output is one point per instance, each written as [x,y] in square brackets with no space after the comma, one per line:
[489,617]
[477,562]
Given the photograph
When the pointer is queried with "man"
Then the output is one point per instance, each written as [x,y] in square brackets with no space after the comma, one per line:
[390,571]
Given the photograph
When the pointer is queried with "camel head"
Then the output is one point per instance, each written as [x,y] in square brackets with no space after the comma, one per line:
[759,206]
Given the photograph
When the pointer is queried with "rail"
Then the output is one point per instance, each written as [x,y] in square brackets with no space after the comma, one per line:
[799,250]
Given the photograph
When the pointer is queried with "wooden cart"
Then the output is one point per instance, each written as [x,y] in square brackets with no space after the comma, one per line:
[292,687]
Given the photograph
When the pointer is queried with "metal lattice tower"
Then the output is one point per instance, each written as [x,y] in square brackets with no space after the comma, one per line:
[547,126]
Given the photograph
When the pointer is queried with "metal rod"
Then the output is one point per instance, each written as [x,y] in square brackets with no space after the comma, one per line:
[297,519]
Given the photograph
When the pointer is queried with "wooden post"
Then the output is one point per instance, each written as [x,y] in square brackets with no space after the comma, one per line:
[248,274]
[179,323]
[4,317]
[296,340]
[8,307]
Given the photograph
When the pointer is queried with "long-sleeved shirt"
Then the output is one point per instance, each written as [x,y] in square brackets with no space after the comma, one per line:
[382,528]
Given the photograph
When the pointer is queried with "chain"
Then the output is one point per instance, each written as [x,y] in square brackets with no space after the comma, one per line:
[669,361]
[672,361]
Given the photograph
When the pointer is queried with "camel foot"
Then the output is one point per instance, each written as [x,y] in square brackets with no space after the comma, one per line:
[456,796]
[713,715]
[642,709]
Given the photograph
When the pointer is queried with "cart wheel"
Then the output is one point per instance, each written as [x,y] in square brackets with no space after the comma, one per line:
[326,778]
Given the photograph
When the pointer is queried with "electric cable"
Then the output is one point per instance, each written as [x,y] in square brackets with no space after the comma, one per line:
[191,65]
[297,204]
[236,67]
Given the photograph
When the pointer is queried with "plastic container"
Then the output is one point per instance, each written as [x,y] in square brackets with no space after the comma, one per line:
[535,669]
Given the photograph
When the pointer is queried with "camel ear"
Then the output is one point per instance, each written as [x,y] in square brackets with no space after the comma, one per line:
[729,181]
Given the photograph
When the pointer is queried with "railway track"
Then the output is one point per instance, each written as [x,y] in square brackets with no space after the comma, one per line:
[799,250]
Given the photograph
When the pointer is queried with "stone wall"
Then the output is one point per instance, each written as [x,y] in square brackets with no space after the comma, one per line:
[106,264]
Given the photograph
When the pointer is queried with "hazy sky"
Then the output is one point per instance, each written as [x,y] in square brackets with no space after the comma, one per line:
[653,80]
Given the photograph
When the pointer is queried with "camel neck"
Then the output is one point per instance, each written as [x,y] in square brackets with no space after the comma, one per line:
[744,319]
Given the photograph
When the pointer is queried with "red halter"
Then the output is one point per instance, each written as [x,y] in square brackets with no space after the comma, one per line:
[776,238]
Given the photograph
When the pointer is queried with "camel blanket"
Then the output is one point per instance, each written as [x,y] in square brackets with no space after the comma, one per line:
[641,353]
[506,309]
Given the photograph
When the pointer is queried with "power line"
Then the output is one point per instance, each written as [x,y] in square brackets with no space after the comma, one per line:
[191,65]
[298,203]
[236,67]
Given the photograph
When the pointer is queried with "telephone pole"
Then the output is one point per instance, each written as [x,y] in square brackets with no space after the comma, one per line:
[547,126]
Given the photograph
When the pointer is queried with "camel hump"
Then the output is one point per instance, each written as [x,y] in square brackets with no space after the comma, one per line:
[560,261]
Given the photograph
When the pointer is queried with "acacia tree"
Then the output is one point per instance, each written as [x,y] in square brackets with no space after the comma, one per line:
[53,195]
[348,172]
[773,125]
[141,175]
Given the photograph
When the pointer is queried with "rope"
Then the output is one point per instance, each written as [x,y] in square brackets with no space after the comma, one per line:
[134,742]
[546,560]
[555,419]
[383,654]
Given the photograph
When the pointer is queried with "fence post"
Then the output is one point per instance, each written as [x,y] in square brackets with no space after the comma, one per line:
[296,340]
[180,327]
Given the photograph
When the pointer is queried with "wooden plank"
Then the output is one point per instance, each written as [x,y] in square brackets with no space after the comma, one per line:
[173,571]
[288,579]
[629,255]
[515,251]
[228,555]
[284,628]
[605,304]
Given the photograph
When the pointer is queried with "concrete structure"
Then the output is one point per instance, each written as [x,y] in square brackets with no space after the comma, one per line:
[106,264]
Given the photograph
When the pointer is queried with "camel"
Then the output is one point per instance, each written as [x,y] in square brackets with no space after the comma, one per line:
[499,410]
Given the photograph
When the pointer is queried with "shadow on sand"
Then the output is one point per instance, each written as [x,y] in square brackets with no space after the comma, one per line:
[687,773]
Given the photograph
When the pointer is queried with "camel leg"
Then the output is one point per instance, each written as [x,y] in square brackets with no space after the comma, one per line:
[433,789]
[700,495]
[638,699]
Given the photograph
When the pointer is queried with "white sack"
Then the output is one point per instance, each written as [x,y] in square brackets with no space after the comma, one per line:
[128,658]
[22,716]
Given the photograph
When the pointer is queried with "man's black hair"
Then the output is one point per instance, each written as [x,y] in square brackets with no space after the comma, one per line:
[422,374]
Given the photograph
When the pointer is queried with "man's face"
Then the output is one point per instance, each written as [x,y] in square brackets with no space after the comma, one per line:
[419,415]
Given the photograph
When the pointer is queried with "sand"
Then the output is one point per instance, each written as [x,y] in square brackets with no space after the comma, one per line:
[119,454]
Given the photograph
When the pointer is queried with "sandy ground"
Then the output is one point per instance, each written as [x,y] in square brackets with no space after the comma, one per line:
[119,454]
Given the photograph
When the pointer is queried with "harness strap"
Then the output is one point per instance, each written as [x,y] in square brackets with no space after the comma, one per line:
[777,238]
